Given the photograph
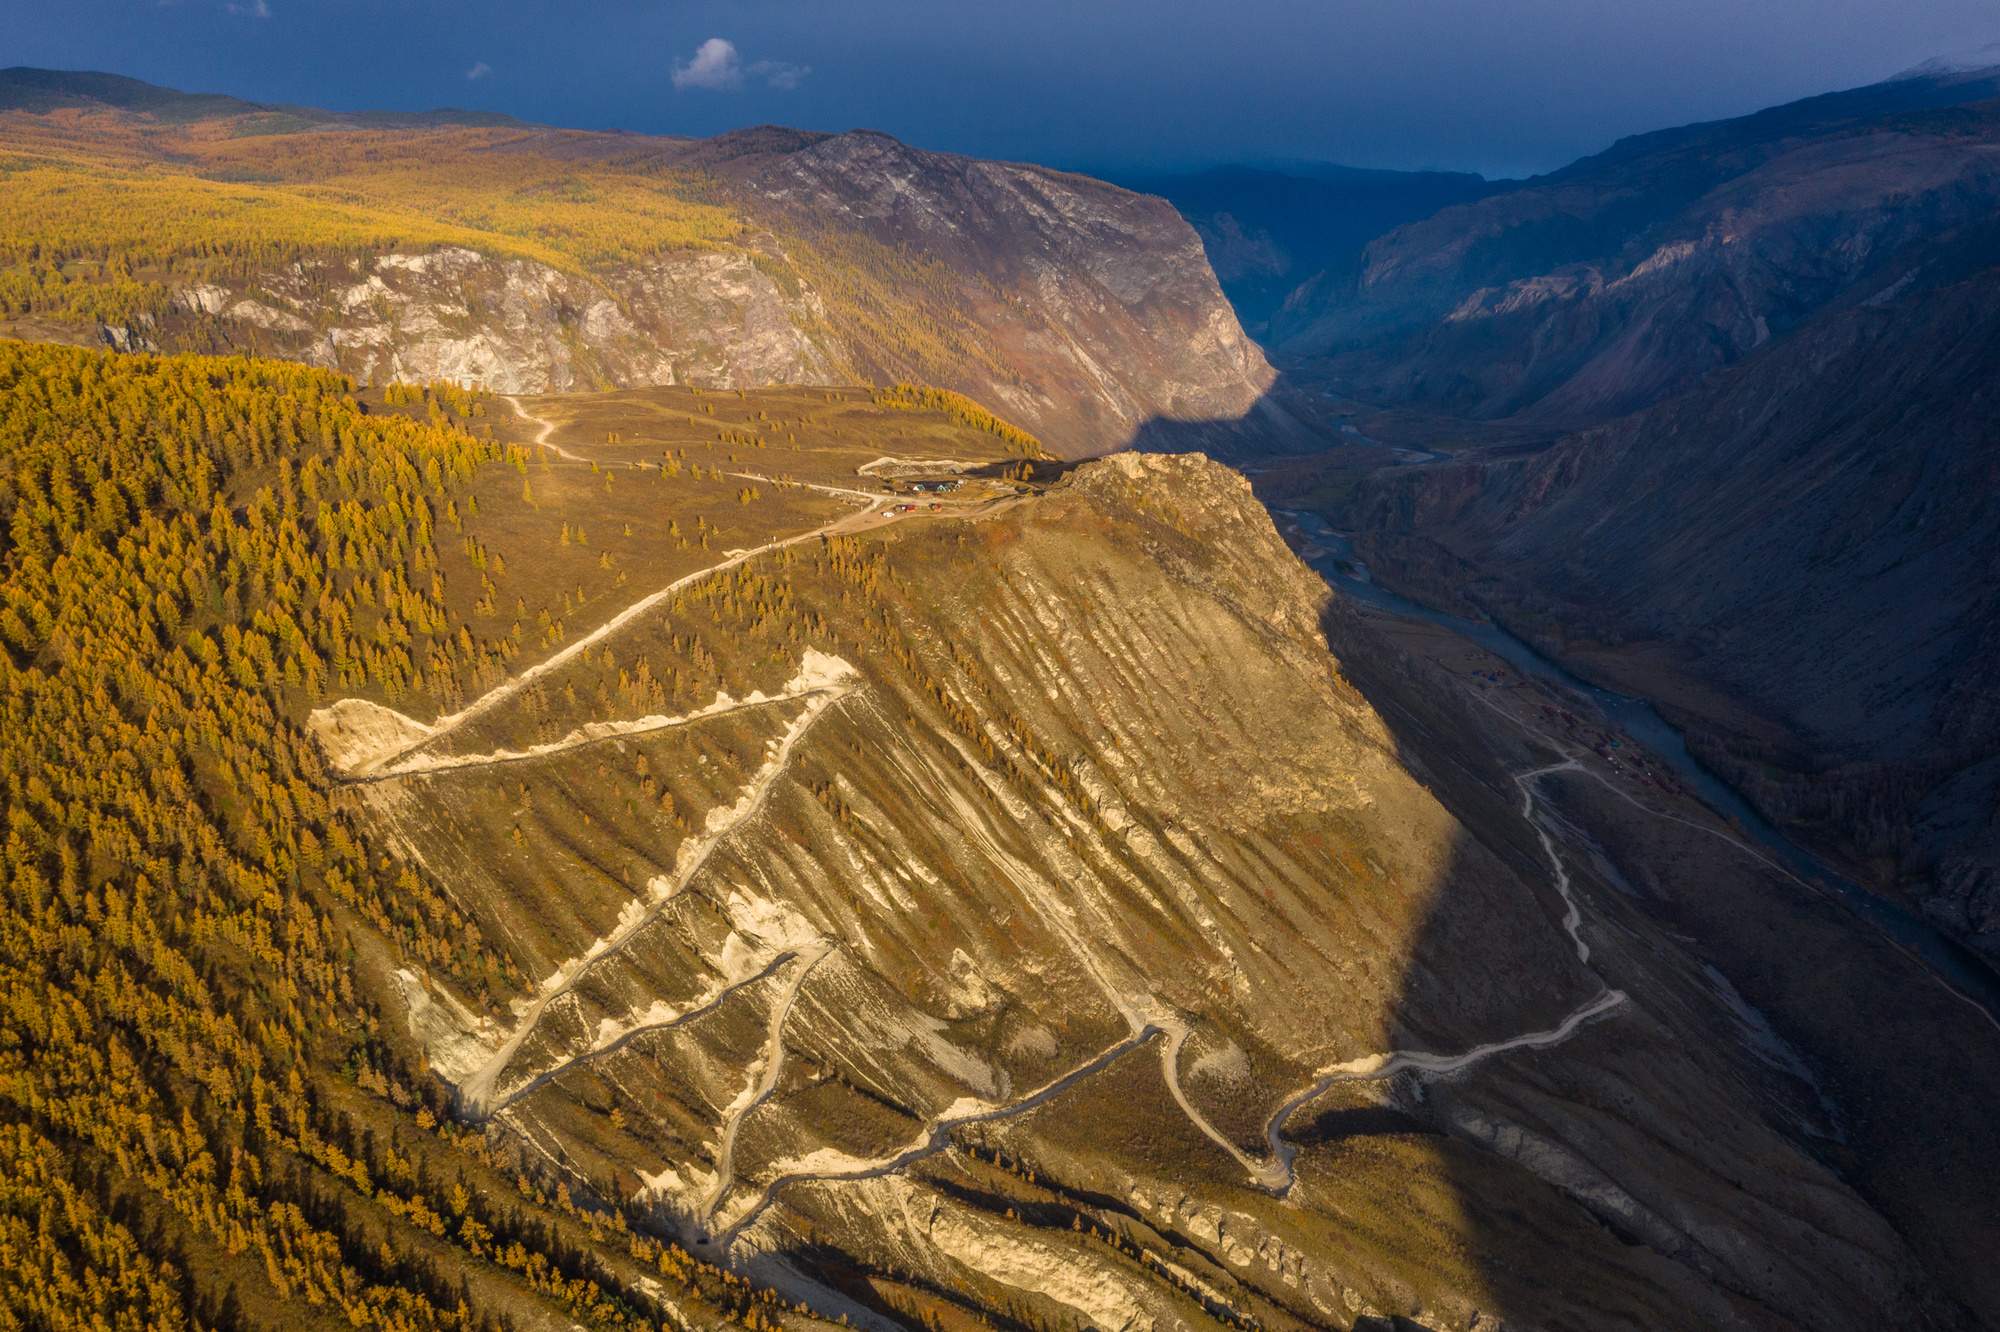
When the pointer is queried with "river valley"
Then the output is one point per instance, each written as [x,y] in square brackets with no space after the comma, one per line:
[1966,975]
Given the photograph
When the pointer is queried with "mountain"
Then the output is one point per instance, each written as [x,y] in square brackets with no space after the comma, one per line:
[1628,276]
[522,258]
[1101,312]
[1777,518]
[1267,229]
[41,91]
[631,860]
[1801,558]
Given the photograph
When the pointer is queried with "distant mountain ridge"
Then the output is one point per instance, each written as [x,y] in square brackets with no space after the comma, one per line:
[1267,226]
[1766,354]
[1627,276]
[40,91]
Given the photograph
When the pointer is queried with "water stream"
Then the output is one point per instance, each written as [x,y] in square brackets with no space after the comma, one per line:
[1963,970]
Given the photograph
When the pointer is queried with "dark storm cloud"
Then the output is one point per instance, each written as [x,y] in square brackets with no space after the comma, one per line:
[1500,86]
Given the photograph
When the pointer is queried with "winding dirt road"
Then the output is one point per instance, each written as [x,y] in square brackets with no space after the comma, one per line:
[760,1089]
[385,763]
[626,1035]
[476,1093]
[480,1098]
[934,1138]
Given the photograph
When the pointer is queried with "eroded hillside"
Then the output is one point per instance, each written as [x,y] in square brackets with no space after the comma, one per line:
[1012,911]
[457,881]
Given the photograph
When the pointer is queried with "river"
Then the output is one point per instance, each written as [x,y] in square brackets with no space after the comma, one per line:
[1957,965]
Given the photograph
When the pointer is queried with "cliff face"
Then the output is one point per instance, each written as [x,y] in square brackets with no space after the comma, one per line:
[1628,277]
[1091,311]
[1099,304]
[1045,924]
[517,326]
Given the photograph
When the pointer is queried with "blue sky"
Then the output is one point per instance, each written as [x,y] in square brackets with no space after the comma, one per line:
[1505,87]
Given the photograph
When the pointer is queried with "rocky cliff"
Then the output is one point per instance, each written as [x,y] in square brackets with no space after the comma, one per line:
[1099,306]
[517,326]
[1091,312]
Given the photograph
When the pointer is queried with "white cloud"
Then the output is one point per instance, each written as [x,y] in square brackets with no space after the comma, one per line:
[255,9]
[480,69]
[716,66]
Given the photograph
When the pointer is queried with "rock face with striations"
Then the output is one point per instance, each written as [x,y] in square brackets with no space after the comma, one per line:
[1101,308]
[1098,312]
[995,939]
[517,326]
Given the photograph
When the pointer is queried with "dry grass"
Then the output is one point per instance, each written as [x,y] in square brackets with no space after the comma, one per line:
[809,434]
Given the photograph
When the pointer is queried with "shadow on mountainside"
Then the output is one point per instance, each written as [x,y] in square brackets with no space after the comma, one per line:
[1282,422]
[1780,1125]
[1784,1124]
[1801,578]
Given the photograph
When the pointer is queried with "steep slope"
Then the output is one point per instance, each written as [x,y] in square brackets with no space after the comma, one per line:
[1041,833]
[1800,557]
[681,896]
[1628,276]
[523,259]
[1100,310]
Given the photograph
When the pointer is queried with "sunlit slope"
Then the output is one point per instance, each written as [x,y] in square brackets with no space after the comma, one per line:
[1048,826]
[105,211]
[522,258]
[201,1112]
[477,985]
[542,549]
[843,437]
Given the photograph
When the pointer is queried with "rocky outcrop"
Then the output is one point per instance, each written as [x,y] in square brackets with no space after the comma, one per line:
[711,319]
[1100,309]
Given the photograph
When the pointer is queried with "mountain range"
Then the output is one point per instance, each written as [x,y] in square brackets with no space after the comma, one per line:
[523,258]
[1716,403]
[1627,276]
[644,733]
